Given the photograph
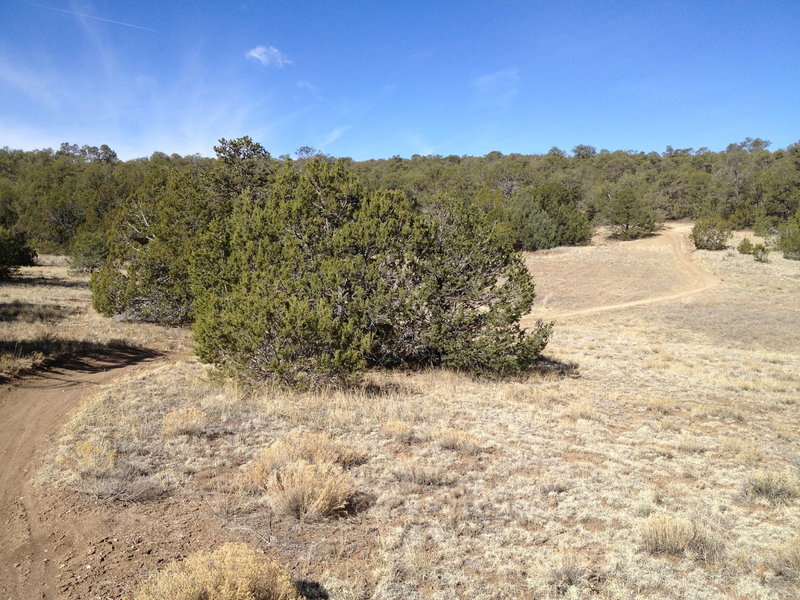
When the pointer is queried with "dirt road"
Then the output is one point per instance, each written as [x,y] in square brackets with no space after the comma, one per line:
[695,277]
[31,413]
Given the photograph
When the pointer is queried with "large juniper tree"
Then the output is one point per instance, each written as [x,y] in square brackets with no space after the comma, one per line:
[313,278]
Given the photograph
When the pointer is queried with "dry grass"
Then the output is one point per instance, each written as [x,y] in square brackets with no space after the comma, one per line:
[784,559]
[313,448]
[776,488]
[310,491]
[187,420]
[232,572]
[662,534]
[400,430]
[460,441]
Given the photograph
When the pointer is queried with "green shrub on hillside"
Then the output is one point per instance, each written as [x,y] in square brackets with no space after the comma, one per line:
[547,216]
[711,234]
[760,253]
[745,246]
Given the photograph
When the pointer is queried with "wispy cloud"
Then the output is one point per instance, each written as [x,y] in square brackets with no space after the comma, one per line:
[498,89]
[332,136]
[310,87]
[268,56]
[85,16]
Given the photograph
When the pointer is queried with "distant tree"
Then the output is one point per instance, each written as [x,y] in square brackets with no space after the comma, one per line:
[628,210]
[546,216]
[711,233]
[584,151]
[88,251]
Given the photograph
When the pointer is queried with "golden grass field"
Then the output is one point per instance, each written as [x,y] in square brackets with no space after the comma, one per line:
[655,453]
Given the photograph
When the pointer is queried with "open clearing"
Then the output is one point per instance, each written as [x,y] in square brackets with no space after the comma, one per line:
[656,455]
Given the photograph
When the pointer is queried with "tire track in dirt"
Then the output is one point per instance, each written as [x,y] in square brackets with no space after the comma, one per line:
[32,411]
[700,278]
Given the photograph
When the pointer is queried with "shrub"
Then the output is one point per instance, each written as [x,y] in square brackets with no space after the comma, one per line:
[314,278]
[231,572]
[14,253]
[89,251]
[310,491]
[711,234]
[662,534]
[745,246]
[760,253]
[789,238]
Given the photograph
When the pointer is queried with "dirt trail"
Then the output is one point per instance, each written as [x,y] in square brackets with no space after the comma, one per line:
[698,278]
[31,413]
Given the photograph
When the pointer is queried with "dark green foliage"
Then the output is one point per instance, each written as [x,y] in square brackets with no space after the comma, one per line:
[745,246]
[628,210]
[711,233]
[315,278]
[146,274]
[14,253]
[789,240]
[546,216]
[88,251]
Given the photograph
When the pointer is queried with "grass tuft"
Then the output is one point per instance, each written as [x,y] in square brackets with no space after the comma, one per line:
[785,559]
[232,572]
[310,491]
[777,488]
[184,421]
[662,534]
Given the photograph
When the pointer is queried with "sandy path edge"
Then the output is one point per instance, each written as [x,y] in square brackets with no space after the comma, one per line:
[32,411]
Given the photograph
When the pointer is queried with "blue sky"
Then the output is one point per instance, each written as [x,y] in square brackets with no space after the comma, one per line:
[374,79]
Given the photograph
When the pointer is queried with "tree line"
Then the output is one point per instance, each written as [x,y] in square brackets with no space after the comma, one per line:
[309,270]
[71,197]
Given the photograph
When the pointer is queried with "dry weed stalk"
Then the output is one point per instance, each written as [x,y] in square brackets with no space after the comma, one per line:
[91,458]
[315,448]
